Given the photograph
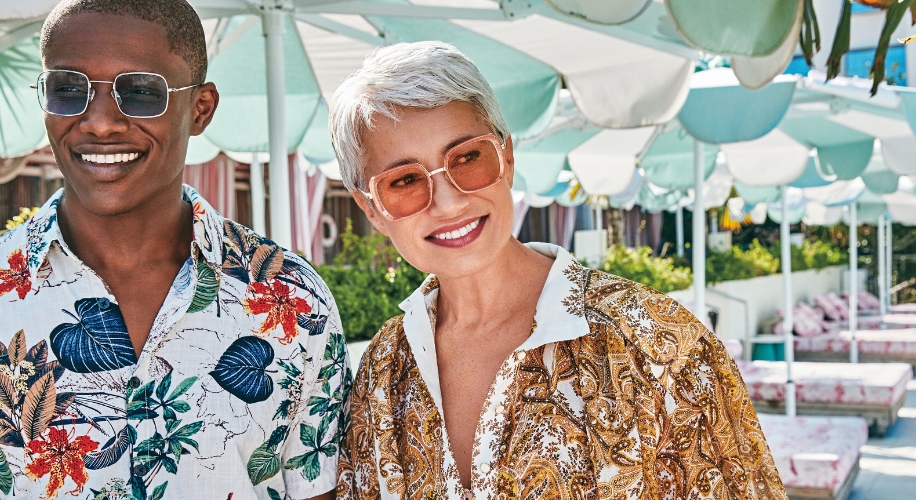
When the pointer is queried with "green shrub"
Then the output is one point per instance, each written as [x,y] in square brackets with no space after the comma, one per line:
[638,264]
[368,280]
[738,264]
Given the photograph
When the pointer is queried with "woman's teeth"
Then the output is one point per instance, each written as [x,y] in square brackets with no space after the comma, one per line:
[458,233]
[116,158]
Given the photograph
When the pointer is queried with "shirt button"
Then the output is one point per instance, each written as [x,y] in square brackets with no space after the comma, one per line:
[485,468]
[140,470]
[134,382]
[520,356]
[500,409]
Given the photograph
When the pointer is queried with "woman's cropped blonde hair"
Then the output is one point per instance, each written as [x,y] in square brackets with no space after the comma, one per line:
[423,75]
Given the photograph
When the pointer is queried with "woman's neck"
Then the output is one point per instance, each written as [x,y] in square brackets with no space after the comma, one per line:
[510,286]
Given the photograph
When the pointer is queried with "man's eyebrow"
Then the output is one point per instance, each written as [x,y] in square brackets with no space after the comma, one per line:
[407,161]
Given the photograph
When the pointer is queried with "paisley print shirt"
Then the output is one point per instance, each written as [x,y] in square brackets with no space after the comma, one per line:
[237,394]
[619,393]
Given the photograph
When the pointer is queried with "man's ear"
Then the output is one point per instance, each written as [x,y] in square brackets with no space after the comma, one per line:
[509,155]
[368,208]
[203,107]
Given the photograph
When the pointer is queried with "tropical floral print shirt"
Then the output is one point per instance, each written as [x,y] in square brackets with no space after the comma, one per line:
[237,394]
[618,393]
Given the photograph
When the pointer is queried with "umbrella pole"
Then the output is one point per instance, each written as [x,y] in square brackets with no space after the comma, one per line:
[889,274]
[784,233]
[699,235]
[256,178]
[882,267]
[853,282]
[280,220]
[679,221]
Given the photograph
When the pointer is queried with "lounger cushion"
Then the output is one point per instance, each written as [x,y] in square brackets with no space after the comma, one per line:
[899,341]
[866,383]
[814,452]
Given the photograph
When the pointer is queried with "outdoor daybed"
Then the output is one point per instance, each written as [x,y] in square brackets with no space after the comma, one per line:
[817,457]
[873,391]
[875,346]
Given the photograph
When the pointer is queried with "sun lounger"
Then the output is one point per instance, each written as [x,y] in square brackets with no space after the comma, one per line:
[817,457]
[875,346]
[873,391]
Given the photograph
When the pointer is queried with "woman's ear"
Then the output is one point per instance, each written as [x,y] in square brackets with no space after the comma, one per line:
[509,155]
[365,204]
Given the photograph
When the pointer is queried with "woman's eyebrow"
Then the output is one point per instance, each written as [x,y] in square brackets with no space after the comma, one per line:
[407,161]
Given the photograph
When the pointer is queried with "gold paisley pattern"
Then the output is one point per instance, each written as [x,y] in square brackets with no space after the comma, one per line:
[641,403]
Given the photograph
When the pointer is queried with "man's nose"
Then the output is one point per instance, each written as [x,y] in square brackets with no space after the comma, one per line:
[102,117]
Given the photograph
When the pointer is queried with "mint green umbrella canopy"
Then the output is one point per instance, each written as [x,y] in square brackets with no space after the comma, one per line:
[540,161]
[669,161]
[842,152]
[735,27]
[21,125]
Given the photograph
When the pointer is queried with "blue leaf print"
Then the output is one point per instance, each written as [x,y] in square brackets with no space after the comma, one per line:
[313,323]
[97,342]
[241,370]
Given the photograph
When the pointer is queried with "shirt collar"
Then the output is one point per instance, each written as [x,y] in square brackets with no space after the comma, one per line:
[43,230]
[560,309]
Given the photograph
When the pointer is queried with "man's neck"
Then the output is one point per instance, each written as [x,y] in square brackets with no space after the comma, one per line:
[159,231]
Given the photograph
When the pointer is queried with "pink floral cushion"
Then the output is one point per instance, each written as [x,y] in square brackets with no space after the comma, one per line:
[814,452]
[903,308]
[834,307]
[900,341]
[805,321]
[864,383]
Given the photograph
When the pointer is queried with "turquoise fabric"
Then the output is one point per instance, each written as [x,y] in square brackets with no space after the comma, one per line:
[240,123]
[316,145]
[841,151]
[753,195]
[811,177]
[652,202]
[527,90]
[908,98]
[669,162]
[540,161]
[21,120]
[879,180]
[734,27]
[718,115]
[200,150]
[795,214]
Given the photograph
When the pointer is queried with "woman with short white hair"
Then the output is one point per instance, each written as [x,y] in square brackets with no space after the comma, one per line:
[514,371]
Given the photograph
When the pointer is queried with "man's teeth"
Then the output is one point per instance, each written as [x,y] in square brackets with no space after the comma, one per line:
[458,233]
[116,158]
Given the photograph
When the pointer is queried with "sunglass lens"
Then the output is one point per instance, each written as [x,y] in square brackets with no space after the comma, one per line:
[142,95]
[403,191]
[63,93]
[474,165]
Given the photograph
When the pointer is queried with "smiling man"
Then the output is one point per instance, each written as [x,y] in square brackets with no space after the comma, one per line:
[150,348]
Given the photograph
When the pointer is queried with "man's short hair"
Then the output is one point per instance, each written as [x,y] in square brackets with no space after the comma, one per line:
[422,75]
[179,20]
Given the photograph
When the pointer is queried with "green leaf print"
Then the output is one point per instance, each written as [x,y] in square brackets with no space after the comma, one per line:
[264,463]
[273,494]
[158,491]
[207,287]
[6,475]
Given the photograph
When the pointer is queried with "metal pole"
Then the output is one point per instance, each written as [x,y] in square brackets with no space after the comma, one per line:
[853,283]
[784,233]
[258,219]
[890,259]
[882,267]
[280,219]
[679,221]
[598,221]
[699,234]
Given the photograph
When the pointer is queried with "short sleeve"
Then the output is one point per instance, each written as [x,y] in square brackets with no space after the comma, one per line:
[310,452]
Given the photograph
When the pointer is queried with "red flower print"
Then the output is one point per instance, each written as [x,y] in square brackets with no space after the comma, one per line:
[276,299]
[17,276]
[199,211]
[59,457]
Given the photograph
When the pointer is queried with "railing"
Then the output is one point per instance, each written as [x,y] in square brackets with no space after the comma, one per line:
[747,320]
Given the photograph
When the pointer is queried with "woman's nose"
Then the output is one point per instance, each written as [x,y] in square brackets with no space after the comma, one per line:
[448,200]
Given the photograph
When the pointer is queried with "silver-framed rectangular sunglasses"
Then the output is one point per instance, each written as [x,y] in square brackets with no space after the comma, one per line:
[138,94]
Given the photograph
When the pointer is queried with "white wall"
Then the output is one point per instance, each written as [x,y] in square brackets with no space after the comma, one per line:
[764,296]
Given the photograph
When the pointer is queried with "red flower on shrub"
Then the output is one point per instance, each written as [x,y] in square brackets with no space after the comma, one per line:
[61,458]
[277,300]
